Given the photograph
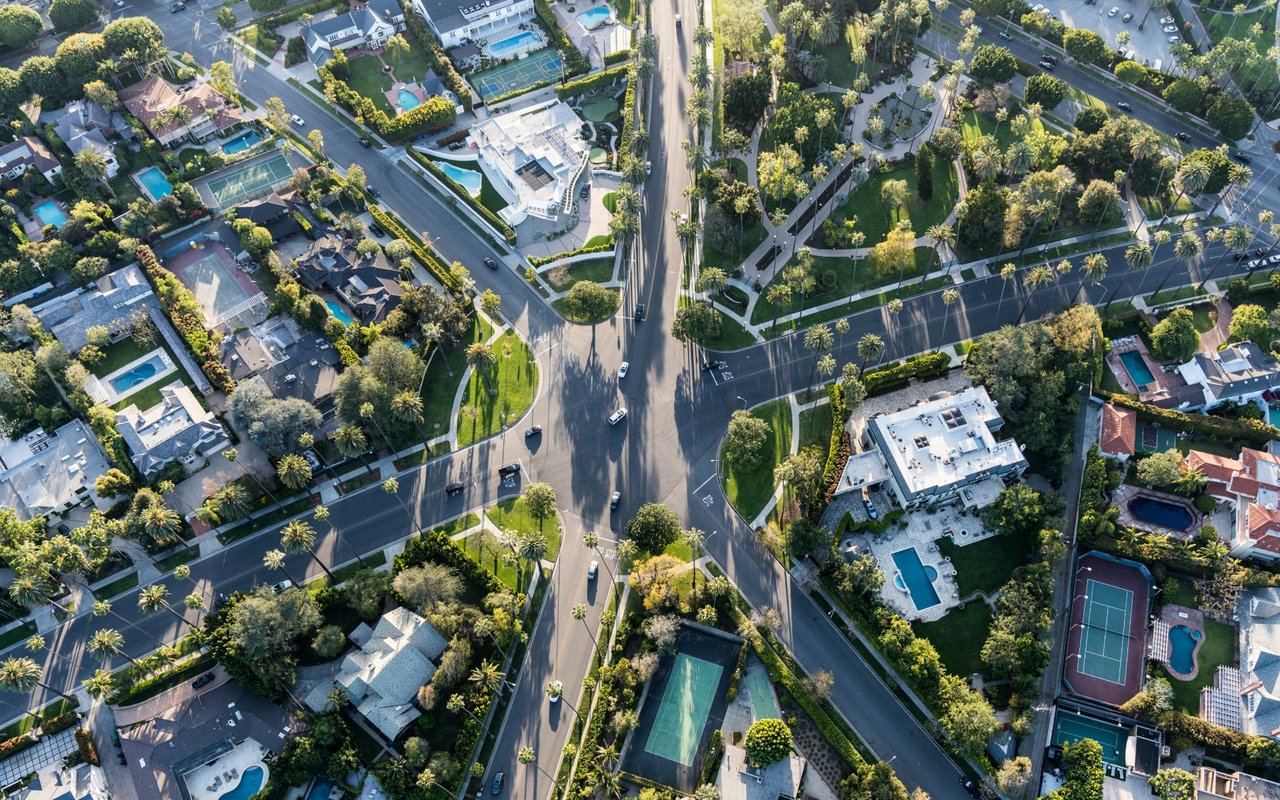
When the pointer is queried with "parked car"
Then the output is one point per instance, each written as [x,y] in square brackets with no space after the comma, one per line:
[376,229]
[176,7]
[1114,10]
[1274,259]
[1182,136]
[639,312]
[1241,157]
[490,263]
[1046,66]
[373,190]
[454,488]
[622,370]
[203,681]
[1256,263]
[282,586]
[1166,20]
[617,416]
[1127,17]
[509,470]
[1175,39]
[615,500]
[297,120]
[365,143]
[1037,7]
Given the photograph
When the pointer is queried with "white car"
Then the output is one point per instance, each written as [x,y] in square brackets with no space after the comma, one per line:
[1175,39]
[1257,262]
[1166,20]
[622,370]
[1170,29]
[1274,259]
[1037,7]
[1157,64]
[297,120]
[617,416]
[1114,10]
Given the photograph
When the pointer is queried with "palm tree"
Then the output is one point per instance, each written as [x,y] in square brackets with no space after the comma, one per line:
[351,442]
[818,340]
[22,674]
[579,612]
[396,48]
[1191,178]
[299,537]
[482,359]
[100,684]
[152,598]
[532,547]
[107,642]
[274,559]
[93,166]
[942,236]
[1035,278]
[232,455]
[694,539]
[488,677]
[293,471]
[870,348]
[406,406]
[592,540]
[1136,256]
[711,280]
[1095,269]
[526,756]
[232,500]
[949,297]
[162,524]
[1236,240]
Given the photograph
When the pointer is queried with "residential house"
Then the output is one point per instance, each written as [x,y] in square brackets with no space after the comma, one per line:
[1242,372]
[937,451]
[152,100]
[273,212]
[383,675]
[177,428]
[1250,486]
[28,152]
[109,303]
[57,782]
[371,286]
[85,126]
[533,157]
[1257,685]
[367,25]
[44,473]
[1214,785]
[738,780]
[457,22]
[1117,432]
[289,361]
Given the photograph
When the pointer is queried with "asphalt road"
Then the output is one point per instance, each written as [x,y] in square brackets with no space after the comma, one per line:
[664,451]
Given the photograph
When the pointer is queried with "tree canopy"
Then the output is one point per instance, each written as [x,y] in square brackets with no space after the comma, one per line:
[993,64]
[272,424]
[1175,337]
[654,527]
[256,637]
[768,741]
[19,25]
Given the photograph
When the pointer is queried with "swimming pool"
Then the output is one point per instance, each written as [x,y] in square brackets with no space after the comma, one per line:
[916,578]
[242,142]
[1273,416]
[468,178]
[594,18]
[1182,645]
[505,47]
[320,790]
[338,313]
[1162,513]
[49,213]
[250,783]
[140,374]
[1137,368]
[407,100]
[154,183]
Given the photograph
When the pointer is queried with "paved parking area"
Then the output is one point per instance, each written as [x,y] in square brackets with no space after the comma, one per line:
[1150,43]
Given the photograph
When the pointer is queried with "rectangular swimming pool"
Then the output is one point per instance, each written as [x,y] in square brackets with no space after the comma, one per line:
[1137,367]
[154,183]
[242,142]
[507,46]
[916,578]
[49,213]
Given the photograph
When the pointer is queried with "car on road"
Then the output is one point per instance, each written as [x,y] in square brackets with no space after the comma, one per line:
[708,366]
[454,488]
[220,600]
[1166,20]
[677,20]
[615,500]
[203,681]
[536,430]
[1175,39]
[1123,106]
[1114,10]
[365,143]
[969,786]
[118,3]
[1170,29]
[622,370]
[1046,66]
[509,470]
[282,586]
[1182,136]
[1037,8]
[497,783]
[490,263]
[373,190]
[1127,17]
[617,416]
[1005,35]
[176,7]
[648,168]
[1241,157]
[1259,252]
[593,569]
[1052,59]
[1239,256]
[297,120]
[639,312]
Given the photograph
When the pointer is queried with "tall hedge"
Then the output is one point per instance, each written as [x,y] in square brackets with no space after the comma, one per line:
[929,365]
[575,64]
[434,264]
[437,59]
[436,546]
[596,80]
[184,312]
[1252,432]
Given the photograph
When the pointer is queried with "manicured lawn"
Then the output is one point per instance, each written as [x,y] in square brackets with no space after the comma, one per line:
[1219,649]
[411,66]
[483,546]
[851,277]
[909,289]
[974,126]
[732,335]
[115,356]
[18,634]
[1154,207]
[599,239]
[958,637]
[875,219]
[126,350]
[511,515]
[815,426]
[259,39]
[1224,23]
[1204,317]
[118,586]
[731,259]
[514,378]
[369,80]
[440,386]
[986,565]
[749,488]
[563,278]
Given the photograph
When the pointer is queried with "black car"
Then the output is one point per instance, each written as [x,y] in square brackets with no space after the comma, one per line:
[639,312]
[63,528]
[454,488]
[708,366]
[509,470]
[536,430]
[491,264]
[1182,136]
[1123,106]
[1241,157]
[203,681]
[373,190]
[365,143]
[1051,59]
[969,786]
[219,600]
[1239,256]
[1259,252]
[376,229]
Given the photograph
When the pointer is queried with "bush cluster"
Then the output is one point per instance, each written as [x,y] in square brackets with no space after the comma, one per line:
[538,261]
[438,269]
[436,547]
[84,743]
[493,219]
[929,365]
[1251,432]
[586,84]
[184,312]
[436,113]
[839,448]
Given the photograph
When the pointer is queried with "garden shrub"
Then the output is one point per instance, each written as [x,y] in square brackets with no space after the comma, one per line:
[1252,432]
[426,257]
[539,261]
[586,84]
[929,365]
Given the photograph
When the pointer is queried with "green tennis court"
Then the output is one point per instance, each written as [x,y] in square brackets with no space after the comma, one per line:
[251,181]
[691,689]
[1069,727]
[514,76]
[1104,641]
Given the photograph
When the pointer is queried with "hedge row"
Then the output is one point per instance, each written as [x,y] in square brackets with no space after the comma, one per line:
[88,752]
[1252,432]
[574,61]
[184,312]
[875,526]
[617,58]
[437,59]
[436,113]
[839,447]
[127,695]
[586,84]
[625,139]
[16,745]
[60,723]
[538,261]
[715,752]
[929,365]
[502,98]
[294,14]
[1259,755]
[428,259]
[493,219]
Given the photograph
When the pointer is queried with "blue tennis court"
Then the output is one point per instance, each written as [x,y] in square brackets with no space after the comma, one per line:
[691,689]
[1069,727]
[1104,641]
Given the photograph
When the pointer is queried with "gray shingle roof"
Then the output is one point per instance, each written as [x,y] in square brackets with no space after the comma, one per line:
[178,427]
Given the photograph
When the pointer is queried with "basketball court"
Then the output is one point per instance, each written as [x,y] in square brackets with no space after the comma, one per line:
[514,76]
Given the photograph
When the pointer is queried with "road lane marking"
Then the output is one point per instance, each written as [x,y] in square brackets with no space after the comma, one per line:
[704,483]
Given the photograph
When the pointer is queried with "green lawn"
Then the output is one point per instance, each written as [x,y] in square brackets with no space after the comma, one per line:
[1219,649]
[1224,23]
[731,259]
[483,546]
[118,586]
[851,277]
[732,335]
[489,197]
[841,70]
[511,515]
[126,350]
[563,278]
[560,306]
[875,220]
[440,386]
[115,356]
[986,565]
[749,488]
[514,378]
[369,80]
[815,426]
[974,126]
[958,637]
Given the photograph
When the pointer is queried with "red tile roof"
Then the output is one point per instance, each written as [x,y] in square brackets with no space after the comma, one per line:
[149,99]
[1119,431]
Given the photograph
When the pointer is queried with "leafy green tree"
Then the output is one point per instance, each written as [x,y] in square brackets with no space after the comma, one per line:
[767,742]
[992,64]
[1130,72]
[19,25]
[980,217]
[1082,762]
[138,34]
[1184,94]
[1099,201]
[589,302]
[12,91]
[274,425]
[699,322]
[226,18]
[257,637]
[1018,510]
[1175,337]
[79,55]
[423,586]
[72,15]
[1173,784]
[654,527]
[968,720]
[1045,90]
[540,501]
[113,483]
[744,442]
[1085,45]
[1249,323]
[1231,116]
[1162,470]
[747,97]
[41,76]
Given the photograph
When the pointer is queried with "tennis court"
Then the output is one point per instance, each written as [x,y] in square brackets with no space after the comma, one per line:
[248,181]
[1104,642]
[515,76]
[1069,727]
[685,706]
[226,295]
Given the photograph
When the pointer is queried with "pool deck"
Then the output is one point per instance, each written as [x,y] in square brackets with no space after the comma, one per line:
[1193,618]
[211,781]
[1126,492]
[101,390]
